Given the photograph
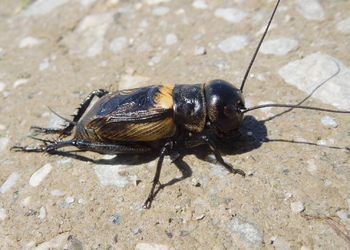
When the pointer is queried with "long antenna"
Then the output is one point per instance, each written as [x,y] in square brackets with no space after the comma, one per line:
[245,110]
[258,48]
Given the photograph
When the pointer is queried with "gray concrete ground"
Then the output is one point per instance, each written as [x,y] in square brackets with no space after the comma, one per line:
[296,194]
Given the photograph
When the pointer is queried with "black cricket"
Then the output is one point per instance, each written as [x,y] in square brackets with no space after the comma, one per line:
[158,117]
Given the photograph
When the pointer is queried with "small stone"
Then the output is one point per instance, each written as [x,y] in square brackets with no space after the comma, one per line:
[38,176]
[311,166]
[200,4]
[29,42]
[250,232]
[249,133]
[69,200]
[118,44]
[200,217]
[3,214]
[232,15]
[3,143]
[42,213]
[110,175]
[9,183]
[343,215]
[151,246]
[2,86]
[40,8]
[154,2]
[310,72]
[44,65]
[161,11]
[20,82]
[26,201]
[322,143]
[310,9]
[54,243]
[220,64]
[137,231]
[74,243]
[199,50]
[297,207]
[329,121]
[195,183]
[279,47]
[116,219]
[233,43]
[57,193]
[344,26]
[171,39]
[327,182]
[154,60]
[86,2]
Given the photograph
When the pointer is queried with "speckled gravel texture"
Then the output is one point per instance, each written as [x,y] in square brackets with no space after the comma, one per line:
[296,194]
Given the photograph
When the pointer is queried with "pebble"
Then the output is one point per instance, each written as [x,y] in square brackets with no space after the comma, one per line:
[39,8]
[310,9]
[3,214]
[40,175]
[2,86]
[311,166]
[151,246]
[171,39]
[343,215]
[42,213]
[69,200]
[233,43]
[329,121]
[20,82]
[250,232]
[344,26]
[279,47]
[327,182]
[199,50]
[232,15]
[154,60]
[9,182]
[88,38]
[55,243]
[199,4]
[26,201]
[118,44]
[44,65]
[116,219]
[311,71]
[29,42]
[3,143]
[322,143]
[154,2]
[86,2]
[161,11]
[109,175]
[297,207]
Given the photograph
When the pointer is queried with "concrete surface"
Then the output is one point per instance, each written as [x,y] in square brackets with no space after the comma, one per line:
[296,194]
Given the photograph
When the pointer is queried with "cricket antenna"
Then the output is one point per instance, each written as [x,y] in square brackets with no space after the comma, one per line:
[276,105]
[258,48]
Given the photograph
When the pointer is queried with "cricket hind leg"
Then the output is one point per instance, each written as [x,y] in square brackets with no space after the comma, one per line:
[63,132]
[52,147]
